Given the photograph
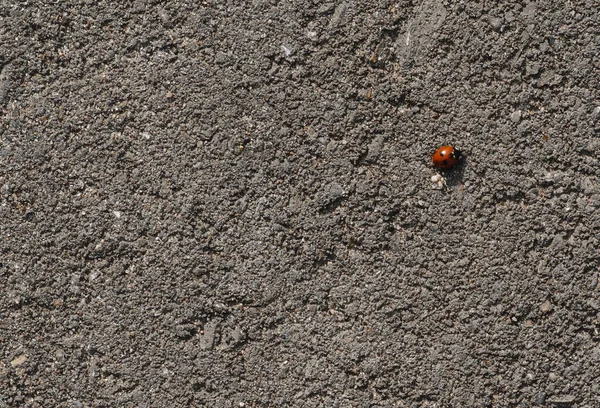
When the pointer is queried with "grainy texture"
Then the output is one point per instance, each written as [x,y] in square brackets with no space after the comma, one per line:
[231,204]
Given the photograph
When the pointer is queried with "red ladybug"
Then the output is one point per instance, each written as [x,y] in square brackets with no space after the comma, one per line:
[446,157]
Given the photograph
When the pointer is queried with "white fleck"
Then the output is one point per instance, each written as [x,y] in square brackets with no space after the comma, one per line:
[117,214]
[407,38]
[287,52]
[312,35]
[146,135]
[438,182]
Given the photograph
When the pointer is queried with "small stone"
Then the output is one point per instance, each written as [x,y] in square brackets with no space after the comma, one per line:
[287,51]
[338,15]
[546,307]
[564,400]
[533,69]
[596,112]
[529,10]
[18,360]
[540,398]
[331,193]
[221,57]
[5,189]
[164,16]
[237,336]
[496,23]
[436,178]
[552,377]
[523,127]
[312,35]
[558,243]
[549,78]
[326,8]
[516,116]
[165,189]
[374,149]
[207,340]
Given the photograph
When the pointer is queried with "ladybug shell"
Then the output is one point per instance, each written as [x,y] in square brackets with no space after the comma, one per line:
[446,157]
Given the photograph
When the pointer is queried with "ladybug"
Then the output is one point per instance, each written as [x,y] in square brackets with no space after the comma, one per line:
[446,157]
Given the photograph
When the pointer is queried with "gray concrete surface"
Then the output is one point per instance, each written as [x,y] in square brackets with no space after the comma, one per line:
[230,204]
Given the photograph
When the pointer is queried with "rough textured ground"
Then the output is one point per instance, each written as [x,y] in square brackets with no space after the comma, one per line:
[228,203]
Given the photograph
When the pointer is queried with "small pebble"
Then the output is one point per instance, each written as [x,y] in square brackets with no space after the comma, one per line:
[18,360]
[495,23]
[438,182]
[546,307]
[221,57]
[565,400]
[5,189]
[516,116]
[287,51]
[164,16]
[540,398]
[312,35]
[338,15]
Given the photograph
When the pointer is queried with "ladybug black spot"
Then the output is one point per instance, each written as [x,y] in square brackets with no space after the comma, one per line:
[445,162]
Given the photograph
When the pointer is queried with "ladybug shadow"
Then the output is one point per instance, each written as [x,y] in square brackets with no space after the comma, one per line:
[454,176]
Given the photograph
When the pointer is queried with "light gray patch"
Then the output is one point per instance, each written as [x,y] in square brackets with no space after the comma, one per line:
[416,40]
[5,83]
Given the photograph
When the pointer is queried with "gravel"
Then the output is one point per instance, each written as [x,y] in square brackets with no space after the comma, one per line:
[233,204]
